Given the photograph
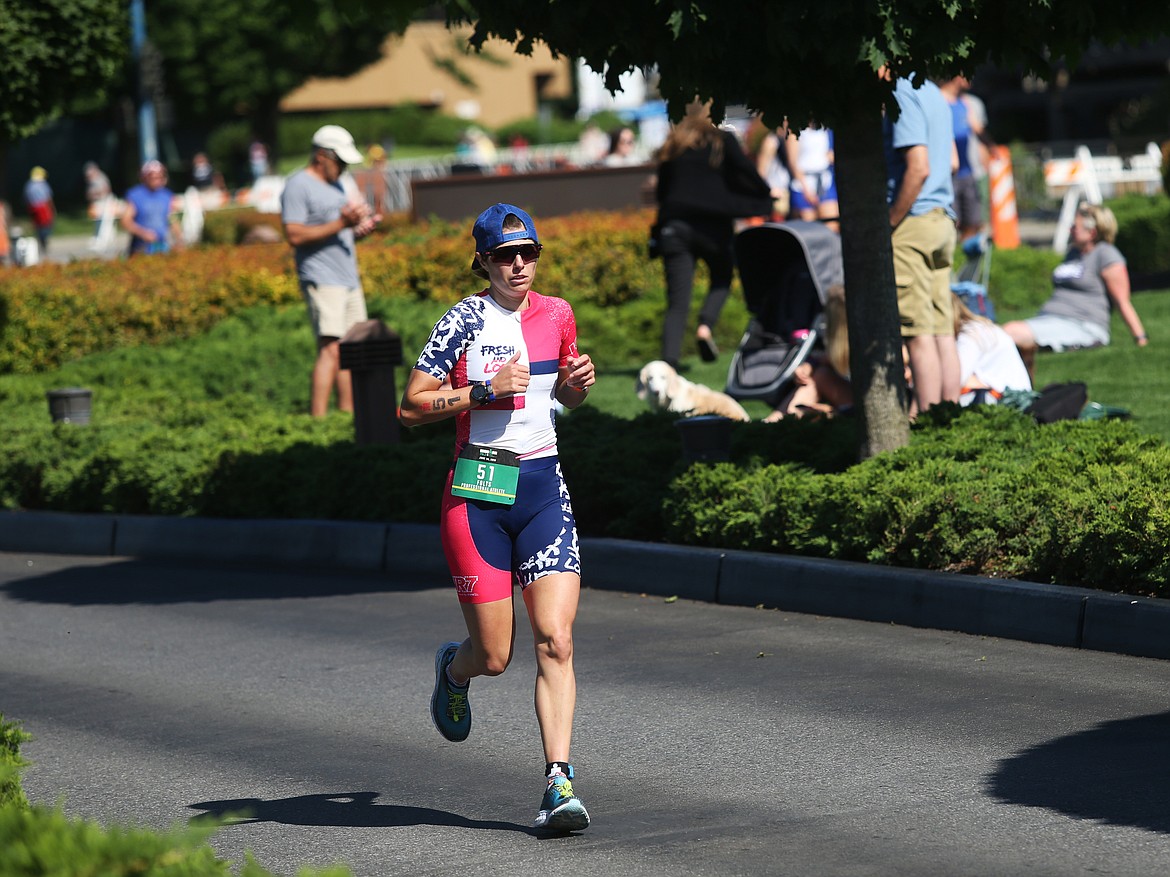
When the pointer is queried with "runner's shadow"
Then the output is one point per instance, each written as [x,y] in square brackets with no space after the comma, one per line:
[343,810]
[1117,772]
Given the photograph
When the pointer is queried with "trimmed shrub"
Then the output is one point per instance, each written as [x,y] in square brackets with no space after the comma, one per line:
[984,491]
[1144,233]
[52,314]
[1021,279]
[11,793]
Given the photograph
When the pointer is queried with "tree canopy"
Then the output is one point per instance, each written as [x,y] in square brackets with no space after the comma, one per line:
[224,59]
[53,52]
[819,60]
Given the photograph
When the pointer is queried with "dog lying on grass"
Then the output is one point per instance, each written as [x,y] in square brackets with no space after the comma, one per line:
[664,388]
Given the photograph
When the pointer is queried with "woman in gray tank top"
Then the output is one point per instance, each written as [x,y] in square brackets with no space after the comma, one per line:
[1091,279]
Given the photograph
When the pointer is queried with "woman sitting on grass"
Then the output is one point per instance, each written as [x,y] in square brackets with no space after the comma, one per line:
[988,359]
[1091,277]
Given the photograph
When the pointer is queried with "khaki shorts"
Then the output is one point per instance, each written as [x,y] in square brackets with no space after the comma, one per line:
[333,309]
[924,247]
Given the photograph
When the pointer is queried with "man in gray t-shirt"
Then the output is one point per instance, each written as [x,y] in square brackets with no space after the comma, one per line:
[322,221]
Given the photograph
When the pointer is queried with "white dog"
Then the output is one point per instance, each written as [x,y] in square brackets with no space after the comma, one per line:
[663,387]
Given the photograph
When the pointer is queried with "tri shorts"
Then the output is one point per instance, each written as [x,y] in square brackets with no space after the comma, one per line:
[1055,332]
[924,248]
[333,310]
[490,546]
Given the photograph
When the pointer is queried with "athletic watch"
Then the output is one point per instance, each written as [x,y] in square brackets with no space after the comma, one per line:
[482,392]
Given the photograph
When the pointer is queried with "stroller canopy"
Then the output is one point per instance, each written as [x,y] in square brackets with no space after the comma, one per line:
[766,256]
[786,270]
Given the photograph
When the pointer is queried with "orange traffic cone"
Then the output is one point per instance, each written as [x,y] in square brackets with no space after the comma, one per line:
[1005,223]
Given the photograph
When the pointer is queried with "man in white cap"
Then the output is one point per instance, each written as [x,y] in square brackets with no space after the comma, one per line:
[321,221]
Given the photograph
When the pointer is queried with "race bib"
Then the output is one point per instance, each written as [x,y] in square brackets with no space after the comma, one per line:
[486,473]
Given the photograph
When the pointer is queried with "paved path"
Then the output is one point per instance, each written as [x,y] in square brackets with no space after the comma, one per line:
[712,740]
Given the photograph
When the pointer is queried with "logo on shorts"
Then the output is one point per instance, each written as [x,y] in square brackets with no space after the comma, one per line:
[465,585]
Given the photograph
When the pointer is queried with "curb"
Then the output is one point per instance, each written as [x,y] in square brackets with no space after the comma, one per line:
[1041,613]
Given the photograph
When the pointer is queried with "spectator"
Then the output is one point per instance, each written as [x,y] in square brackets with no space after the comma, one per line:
[377,188]
[591,145]
[98,195]
[968,131]
[321,221]
[1092,275]
[258,159]
[814,188]
[766,149]
[821,383]
[989,362]
[97,188]
[38,195]
[203,174]
[918,147]
[705,182]
[622,144]
[521,153]
[149,214]
[5,234]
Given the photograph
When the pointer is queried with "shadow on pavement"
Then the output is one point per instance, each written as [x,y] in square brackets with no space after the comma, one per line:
[147,582]
[343,810]
[1118,773]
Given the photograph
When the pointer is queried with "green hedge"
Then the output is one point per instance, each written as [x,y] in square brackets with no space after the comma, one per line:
[983,491]
[1144,233]
[11,792]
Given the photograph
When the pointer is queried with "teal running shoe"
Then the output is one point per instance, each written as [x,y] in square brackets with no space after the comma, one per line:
[561,809]
[450,710]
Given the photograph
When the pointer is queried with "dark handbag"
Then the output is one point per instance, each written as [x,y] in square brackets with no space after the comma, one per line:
[652,248]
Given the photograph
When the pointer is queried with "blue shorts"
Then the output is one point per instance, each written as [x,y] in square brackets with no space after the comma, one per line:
[824,184]
[489,546]
[1058,333]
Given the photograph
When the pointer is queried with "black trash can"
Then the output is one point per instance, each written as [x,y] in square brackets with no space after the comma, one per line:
[371,351]
[70,405]
[706,438]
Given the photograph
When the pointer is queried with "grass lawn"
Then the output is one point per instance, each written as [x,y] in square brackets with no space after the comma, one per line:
[1122,374]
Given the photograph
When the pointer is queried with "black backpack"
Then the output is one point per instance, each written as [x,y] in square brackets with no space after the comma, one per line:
[1059,402]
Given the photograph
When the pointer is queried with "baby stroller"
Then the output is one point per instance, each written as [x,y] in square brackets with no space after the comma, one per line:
[786,270]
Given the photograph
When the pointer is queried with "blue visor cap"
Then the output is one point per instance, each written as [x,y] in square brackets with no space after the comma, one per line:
[489,228]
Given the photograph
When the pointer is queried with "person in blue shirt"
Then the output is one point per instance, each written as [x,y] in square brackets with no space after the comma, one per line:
[920,157]
[148,215]
[969,147]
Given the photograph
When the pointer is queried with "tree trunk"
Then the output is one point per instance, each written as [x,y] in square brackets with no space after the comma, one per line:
[881,399]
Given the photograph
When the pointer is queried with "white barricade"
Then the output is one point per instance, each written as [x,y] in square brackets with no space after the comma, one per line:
[1092,178]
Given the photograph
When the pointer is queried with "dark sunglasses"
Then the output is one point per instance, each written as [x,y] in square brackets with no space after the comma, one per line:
[507,255]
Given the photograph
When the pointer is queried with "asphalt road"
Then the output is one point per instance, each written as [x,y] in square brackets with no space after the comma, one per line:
[710,740]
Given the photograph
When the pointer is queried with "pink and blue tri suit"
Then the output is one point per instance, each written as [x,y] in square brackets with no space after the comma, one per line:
[489,545]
